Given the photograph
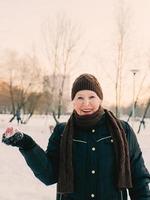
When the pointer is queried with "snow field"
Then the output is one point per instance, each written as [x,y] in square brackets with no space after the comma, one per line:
[17,180]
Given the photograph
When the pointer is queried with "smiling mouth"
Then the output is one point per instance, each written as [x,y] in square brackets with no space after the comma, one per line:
[86,111]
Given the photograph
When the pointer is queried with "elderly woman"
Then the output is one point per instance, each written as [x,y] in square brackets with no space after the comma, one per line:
[92,156]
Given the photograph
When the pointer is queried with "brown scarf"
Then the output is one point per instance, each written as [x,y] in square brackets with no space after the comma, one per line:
[121,150]
[66,173]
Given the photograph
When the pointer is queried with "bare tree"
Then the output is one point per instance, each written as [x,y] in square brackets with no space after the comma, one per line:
[23,78]
[122,21]
[32,103]
[61,44]
[138,94]
[144,115]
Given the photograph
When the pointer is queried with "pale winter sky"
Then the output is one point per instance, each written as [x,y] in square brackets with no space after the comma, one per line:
[20,29]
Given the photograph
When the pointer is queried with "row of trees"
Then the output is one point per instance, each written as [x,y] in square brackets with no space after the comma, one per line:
[28,85]
[13,98]
[26,89]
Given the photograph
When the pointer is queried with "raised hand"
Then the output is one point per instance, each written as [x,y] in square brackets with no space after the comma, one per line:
[12,136]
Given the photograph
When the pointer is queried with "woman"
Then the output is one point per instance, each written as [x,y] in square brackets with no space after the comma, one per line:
[92,156]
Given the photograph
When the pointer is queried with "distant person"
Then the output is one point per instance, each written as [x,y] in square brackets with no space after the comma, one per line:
[143,123]
[94,156]
[18,116]
[51,128]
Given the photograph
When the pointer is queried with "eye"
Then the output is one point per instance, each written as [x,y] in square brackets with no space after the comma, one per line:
[80,98]
[92,97]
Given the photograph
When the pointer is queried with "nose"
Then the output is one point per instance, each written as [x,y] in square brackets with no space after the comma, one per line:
[86,102]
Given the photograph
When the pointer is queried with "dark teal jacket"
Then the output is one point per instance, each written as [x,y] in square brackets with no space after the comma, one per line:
[94,164]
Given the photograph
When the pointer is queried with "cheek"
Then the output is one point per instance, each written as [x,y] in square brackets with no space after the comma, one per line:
[77,109]
[76,106]
[97,104]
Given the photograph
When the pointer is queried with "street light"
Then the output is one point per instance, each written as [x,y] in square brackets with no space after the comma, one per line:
[134,72]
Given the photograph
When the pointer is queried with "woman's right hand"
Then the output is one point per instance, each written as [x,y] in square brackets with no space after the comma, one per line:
[12,136]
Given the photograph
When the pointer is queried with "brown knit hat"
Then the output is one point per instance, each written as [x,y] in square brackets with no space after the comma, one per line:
[86,82]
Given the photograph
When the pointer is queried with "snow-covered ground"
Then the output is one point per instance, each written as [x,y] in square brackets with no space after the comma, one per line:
[16,179]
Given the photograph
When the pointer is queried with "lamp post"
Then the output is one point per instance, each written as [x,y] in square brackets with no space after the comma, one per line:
[134,72]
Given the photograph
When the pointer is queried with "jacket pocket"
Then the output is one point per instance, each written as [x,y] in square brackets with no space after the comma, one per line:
[106,157]
[105,139]
[106,147]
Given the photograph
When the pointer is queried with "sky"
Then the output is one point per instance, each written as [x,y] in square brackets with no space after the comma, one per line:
[21,24]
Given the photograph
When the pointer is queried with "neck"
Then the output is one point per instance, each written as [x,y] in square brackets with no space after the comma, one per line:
[87,121]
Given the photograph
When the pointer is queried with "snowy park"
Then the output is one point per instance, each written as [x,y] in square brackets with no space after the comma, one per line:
[18,181]
[45,46]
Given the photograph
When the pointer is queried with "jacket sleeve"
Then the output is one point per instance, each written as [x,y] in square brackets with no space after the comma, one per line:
[44,164]
[140,175]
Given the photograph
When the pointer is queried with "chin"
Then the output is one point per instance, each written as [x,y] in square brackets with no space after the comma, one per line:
[86,113]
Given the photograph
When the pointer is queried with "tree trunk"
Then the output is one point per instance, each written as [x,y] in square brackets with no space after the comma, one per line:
[144,115]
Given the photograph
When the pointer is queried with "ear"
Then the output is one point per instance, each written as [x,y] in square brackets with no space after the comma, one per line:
[73,103]
[100,101]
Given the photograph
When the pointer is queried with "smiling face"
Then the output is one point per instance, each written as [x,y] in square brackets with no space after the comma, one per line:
[86,102]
